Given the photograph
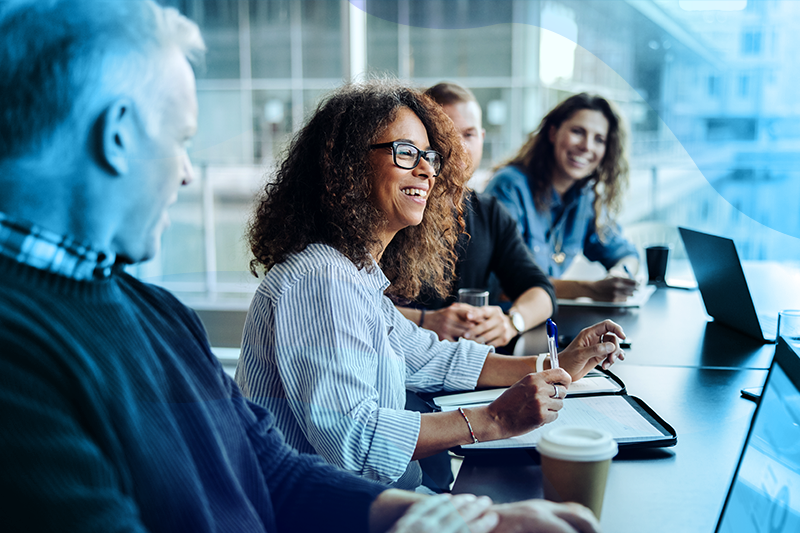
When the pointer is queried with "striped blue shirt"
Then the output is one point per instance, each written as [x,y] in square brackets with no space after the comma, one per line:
[326,351]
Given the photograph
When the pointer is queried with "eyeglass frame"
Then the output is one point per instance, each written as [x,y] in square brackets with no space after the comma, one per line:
[420,153]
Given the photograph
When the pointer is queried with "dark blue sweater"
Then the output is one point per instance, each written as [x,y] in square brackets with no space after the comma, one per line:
[116,416]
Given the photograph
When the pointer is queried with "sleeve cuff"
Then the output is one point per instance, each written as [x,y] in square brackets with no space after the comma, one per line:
[394,439]
[467,367]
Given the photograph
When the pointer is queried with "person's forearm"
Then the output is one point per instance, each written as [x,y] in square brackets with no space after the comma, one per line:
[534,305]
[505,370]
[569,289]
[629,262]
[389,506]
[441,431]
[414,315]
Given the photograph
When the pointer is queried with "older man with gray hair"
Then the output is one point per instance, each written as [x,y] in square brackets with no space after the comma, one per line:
[116,416]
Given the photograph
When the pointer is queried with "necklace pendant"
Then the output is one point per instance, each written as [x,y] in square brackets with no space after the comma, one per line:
[559,257]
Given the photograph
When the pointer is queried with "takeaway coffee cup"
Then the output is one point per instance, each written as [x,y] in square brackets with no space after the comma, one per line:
[575,462]
[657,263]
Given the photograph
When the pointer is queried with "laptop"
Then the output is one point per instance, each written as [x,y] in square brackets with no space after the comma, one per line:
[764,495]
[723,285]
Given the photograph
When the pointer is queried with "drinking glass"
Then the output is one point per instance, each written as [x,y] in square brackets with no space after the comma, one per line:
[789,325]
[474,297]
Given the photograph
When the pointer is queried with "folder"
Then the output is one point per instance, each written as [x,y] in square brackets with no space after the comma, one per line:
[598,400]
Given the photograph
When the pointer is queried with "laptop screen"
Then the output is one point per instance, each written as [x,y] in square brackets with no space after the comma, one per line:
[765,492]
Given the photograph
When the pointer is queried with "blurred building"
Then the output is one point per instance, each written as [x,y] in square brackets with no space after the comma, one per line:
[708,94]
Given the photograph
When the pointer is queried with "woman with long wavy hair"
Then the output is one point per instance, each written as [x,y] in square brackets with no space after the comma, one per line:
[564,187]
[363,206]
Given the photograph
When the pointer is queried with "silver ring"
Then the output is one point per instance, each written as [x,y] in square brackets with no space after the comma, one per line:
[602,337]
[558,394]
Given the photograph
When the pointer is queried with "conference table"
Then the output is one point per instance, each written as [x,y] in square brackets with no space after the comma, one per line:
[690,371]
[687,368]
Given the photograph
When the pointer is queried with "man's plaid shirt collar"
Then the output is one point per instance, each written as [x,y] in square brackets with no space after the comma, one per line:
[36,247]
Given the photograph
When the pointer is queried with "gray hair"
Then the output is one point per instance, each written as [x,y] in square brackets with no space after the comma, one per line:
[61,59]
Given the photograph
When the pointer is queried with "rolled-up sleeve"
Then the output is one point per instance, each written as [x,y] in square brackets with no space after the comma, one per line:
[326,356]
[434,365]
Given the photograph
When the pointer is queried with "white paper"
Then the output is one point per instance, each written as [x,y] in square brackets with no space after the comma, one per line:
[611,413]
[592,382]
[637,299]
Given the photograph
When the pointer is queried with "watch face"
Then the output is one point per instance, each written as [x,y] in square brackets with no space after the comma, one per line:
[517,321]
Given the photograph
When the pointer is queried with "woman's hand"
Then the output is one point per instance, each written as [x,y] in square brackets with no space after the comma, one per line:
[486,325]
[451,322]
[462,513]
[492,326]
[531,402]
[595,345]
[611,289]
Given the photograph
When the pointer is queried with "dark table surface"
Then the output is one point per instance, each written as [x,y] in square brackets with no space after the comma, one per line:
[680,488]
[690,371]
[671,329]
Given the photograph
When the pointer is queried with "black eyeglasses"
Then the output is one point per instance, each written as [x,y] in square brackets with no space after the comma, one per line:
[407,156]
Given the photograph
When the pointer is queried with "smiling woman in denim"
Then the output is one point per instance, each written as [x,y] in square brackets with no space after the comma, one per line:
[564,187]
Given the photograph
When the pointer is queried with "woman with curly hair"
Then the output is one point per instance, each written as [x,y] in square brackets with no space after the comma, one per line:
[363,206]
[564,187]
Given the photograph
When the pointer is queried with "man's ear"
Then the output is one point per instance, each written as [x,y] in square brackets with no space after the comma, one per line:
[115,138]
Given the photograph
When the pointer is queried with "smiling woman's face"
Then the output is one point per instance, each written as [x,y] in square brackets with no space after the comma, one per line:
[579,145]
[401,194]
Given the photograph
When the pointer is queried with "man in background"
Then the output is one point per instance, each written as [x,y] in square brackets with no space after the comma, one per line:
[116,415]
[492,246]
[492,250]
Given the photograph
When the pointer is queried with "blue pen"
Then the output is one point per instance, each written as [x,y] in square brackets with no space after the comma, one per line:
[628,272]
[552,343]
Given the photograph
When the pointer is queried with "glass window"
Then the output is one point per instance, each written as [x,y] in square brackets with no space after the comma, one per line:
[182,250]
[322,39]
[220,131]
[270,39]
[219,22]
[484,52]
[703,103]
[714,84]
[272,124]
[382,45]
[744,86]
[232,208]
[751,43]
[496,107]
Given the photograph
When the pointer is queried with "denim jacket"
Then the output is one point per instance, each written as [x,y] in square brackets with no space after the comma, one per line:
[568,227]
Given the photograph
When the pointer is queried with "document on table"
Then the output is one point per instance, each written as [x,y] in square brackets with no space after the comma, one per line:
[637,299]
[613,413]
[593,382]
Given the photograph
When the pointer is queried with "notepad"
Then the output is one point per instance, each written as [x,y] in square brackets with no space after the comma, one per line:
[637,299]
[595,382]
[616,414]
[597,400]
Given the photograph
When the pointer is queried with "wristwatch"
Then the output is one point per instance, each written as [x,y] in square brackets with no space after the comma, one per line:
[517,321]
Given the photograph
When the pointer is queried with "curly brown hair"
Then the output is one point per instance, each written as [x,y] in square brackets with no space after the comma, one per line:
[536,157]
[321,191]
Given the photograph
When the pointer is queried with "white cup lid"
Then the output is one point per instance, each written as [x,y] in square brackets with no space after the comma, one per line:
[574,443]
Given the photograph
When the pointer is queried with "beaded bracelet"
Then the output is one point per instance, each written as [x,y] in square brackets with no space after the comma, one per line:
[471,433]
[421,317]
